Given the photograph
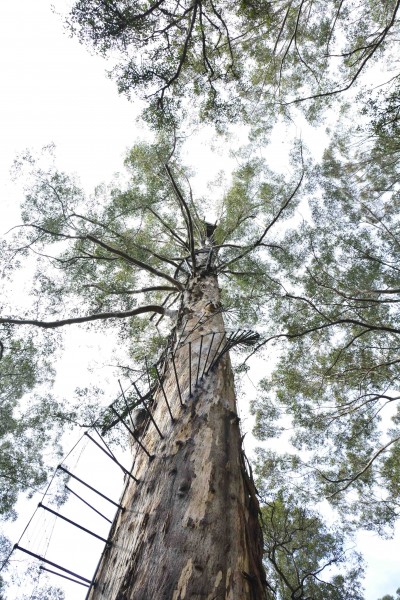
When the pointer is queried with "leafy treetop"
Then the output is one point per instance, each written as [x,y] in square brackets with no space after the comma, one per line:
[236,58]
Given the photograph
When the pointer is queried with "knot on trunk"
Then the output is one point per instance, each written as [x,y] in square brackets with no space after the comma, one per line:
[184,487]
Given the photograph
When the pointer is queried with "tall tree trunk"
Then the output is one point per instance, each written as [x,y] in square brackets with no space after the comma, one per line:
[189,528]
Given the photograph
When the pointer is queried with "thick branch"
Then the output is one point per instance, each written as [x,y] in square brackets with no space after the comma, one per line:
[153,308]
[188,219]
[154,288]
[112,250]
[135,261]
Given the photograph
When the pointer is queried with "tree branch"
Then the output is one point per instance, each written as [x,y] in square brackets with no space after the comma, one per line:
[188,219]
[184,50]
[354,478]
[168,228]
[135,261]
[142,265]
[154,288]
[125,240]
[374,47]
[267,228]
[96,317]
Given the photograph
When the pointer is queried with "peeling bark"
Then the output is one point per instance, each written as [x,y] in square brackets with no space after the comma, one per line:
[189,528]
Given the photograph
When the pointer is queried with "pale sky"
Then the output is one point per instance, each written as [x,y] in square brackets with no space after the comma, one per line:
[53,90]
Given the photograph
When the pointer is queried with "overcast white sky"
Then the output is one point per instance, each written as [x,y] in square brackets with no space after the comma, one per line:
[53,90]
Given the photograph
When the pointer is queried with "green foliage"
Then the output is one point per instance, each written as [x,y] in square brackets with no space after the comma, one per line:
[167,51]
[27,430]
[304,558]
[389,597]
[236,59]
[335,386]
[127,245]
[45,593]
[5,549]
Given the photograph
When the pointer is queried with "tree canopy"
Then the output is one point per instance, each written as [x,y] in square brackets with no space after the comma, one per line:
[301,551]
[337,377]
[390,597]
[236,58]
[139,243]
[24,436]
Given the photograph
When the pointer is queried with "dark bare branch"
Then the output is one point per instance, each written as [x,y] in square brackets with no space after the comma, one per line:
[184,51]
[153,308]
[188,219]
[169,229]
[134,261]
[154,288]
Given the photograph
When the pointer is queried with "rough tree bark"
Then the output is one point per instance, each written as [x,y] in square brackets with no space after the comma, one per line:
[189,528]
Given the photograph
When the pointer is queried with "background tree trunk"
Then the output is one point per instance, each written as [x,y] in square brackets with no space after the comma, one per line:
[190,527]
